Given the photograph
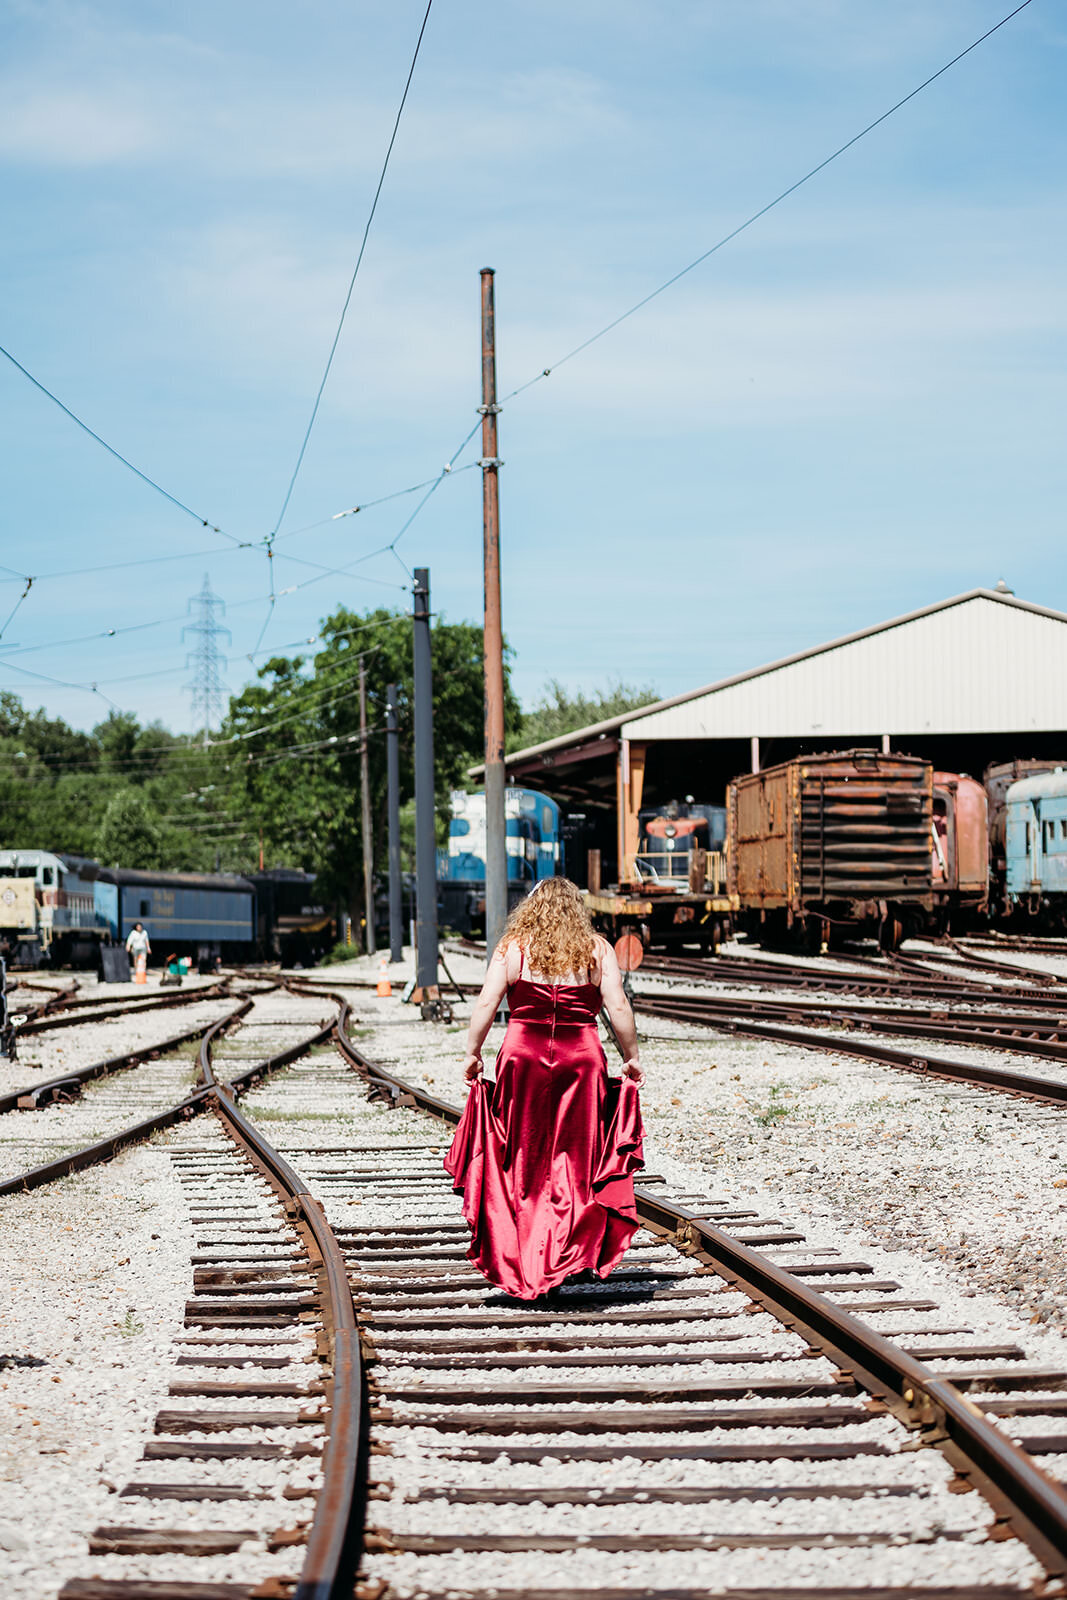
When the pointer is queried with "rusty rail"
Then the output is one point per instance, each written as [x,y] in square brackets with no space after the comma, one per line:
[334,1542]
[1025,1499]
[1024,1085]
[72,1013]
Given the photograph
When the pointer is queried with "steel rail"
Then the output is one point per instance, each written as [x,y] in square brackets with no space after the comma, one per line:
[103,1149]
[1024,1498]
[1006,1031]
[73,1014]
[988,964]
[804,979]
[334,1544]
[1024,1085]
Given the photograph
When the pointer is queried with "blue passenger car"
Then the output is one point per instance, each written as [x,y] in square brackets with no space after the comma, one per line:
[186,912]
[532,825]
[1036,848]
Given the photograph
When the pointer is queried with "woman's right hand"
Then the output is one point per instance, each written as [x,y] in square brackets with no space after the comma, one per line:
[472,1065]
[632,1069]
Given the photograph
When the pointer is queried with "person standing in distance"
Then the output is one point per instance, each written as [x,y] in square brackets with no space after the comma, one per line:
[139,947]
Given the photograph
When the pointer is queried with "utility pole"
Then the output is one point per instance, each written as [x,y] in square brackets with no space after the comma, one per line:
[496,859]
[425,838]
[396,899]
[368,839]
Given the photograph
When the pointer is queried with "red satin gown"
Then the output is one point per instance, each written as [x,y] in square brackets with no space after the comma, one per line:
[544,1157]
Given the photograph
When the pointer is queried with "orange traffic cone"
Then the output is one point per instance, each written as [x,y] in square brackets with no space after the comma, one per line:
[385,988]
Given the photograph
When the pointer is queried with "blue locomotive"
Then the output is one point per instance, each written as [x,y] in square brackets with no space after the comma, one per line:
[1035,848]
[533,848]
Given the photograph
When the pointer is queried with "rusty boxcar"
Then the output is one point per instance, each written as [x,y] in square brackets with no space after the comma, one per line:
[960,850]
[839,842]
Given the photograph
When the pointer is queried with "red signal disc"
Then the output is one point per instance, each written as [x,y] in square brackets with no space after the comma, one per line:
[630,951]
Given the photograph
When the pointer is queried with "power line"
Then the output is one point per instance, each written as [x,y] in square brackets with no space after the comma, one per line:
[84,426]
[763,210]
[352,282]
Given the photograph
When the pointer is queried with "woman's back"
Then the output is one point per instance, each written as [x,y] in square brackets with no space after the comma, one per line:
[573,1001]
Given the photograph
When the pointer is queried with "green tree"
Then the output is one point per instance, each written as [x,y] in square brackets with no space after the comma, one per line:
[559,711]
[294,759]
[129,835]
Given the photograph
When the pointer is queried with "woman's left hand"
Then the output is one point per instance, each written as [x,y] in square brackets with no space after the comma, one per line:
[472,1066]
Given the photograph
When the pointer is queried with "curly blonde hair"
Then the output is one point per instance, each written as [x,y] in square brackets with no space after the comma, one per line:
[552,926]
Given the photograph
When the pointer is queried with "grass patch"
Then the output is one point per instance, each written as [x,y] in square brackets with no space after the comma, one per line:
[776,1108]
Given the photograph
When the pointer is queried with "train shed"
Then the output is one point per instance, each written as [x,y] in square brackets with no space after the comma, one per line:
[971,680]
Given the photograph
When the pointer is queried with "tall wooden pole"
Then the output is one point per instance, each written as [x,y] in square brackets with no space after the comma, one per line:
[368,840]
[496,860]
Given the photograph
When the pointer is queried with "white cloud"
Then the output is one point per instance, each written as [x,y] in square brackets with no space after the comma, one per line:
[73,127]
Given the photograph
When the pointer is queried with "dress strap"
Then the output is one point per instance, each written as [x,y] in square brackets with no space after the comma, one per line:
[522,958]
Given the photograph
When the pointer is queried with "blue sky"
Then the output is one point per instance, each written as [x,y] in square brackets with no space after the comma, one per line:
[854,409]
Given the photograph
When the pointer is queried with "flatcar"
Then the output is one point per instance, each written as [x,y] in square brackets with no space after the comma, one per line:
[855,842]
[1035,848]
[534,851]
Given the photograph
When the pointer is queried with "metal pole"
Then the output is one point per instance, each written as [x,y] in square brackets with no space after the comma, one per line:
[496,859]
[425,841]
[396,908]
[368,839]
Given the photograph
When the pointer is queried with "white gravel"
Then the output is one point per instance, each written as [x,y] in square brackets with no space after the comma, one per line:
[98,1271]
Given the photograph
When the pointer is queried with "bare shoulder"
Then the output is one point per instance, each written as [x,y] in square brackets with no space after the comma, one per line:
[603,954]
[509,955]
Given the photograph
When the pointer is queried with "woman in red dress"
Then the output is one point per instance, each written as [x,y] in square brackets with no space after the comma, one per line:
[544,1156]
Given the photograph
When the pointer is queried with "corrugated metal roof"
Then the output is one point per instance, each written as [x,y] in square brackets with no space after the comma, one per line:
[983,661]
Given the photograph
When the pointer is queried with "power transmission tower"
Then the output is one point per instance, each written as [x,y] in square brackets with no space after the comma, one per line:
[207,661]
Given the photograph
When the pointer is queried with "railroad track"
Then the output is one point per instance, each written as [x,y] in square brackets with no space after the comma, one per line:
[870,978]
[121,1099]
[76,1012]
[256,1455]
[581,1412]
[1007,942]
[727,1368]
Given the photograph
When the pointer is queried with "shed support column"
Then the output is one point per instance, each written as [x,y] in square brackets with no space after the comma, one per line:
[754,743]
[885,744]
[630,783]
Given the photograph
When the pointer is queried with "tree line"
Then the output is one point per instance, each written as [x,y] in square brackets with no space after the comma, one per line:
[280,780]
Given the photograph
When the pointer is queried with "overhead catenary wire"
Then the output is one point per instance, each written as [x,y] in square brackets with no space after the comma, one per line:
[205,522]
[545,372]
[727,238]
[305,690]
[352,282]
